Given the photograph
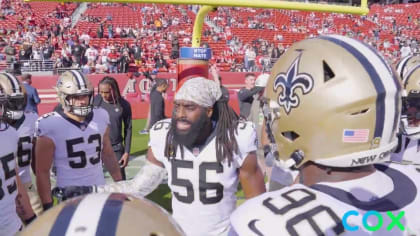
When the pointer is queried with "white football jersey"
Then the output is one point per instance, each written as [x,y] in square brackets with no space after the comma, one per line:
[78,146]
[9,220]
[392,191]
[408,151]
[203,190]
[26,131]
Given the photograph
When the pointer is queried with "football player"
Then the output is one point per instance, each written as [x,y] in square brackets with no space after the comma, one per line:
[14,201]
[105,214]
[75,137]
[24,123]
[339,106]
[408,151]
[205,149]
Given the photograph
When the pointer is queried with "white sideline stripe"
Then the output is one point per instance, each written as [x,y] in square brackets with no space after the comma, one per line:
[48,95]
[87,215]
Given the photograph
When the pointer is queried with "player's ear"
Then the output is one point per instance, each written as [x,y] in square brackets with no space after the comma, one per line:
[209,112]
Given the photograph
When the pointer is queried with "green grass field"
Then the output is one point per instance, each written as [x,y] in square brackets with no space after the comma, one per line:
[139,142]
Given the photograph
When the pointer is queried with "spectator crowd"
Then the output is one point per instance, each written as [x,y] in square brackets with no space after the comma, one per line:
[103,40]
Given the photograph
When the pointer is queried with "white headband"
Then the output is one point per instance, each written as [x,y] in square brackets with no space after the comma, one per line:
[199,90]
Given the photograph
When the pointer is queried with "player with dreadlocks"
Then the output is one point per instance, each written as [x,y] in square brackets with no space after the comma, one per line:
[207,150]
[119,110]
[226,121]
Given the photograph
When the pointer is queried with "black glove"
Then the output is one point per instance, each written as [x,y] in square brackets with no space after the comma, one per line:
[71,191]
[29,220]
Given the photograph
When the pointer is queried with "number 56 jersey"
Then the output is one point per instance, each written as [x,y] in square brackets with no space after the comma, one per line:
[384,203]
[203,190]
[78,146]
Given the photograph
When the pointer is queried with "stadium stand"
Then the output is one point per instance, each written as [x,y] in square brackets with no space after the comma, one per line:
[232,33]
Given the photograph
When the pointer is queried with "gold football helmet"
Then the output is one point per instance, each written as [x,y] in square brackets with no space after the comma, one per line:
[334,101]
[406,64]
[410,117]
[15,97]
[72,84]
[105,214]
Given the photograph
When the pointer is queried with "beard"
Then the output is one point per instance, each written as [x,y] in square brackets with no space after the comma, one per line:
[189,137]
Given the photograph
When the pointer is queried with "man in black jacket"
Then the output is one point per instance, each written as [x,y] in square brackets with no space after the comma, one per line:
[119,110]
[157,103]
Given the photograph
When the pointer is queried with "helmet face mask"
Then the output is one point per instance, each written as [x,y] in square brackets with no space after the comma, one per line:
[14,97]
[410,117]
[79,110]
[333,101]
[15,107]
[411,109]
[71,87]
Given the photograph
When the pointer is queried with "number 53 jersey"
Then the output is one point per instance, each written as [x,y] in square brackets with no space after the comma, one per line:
[78,146]
[203,190]
[384,203]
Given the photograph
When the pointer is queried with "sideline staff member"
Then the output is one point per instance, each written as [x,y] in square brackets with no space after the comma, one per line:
[119,110]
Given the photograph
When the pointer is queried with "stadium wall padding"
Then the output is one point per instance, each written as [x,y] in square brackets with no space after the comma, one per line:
[139,100]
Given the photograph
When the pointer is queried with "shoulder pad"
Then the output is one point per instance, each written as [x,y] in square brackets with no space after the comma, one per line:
[47,115]
[245,126]
[161,127]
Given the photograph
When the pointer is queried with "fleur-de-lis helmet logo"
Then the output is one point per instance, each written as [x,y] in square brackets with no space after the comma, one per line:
[289,82]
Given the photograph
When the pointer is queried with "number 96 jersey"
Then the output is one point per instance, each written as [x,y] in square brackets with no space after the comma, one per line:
[203,190]
[78,146]
[384,203]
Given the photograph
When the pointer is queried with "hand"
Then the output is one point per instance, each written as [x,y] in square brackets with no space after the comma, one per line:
[124,160]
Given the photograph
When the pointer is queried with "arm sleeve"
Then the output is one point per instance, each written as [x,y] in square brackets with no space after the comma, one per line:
[147,180]
[127,119]
[244,93]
